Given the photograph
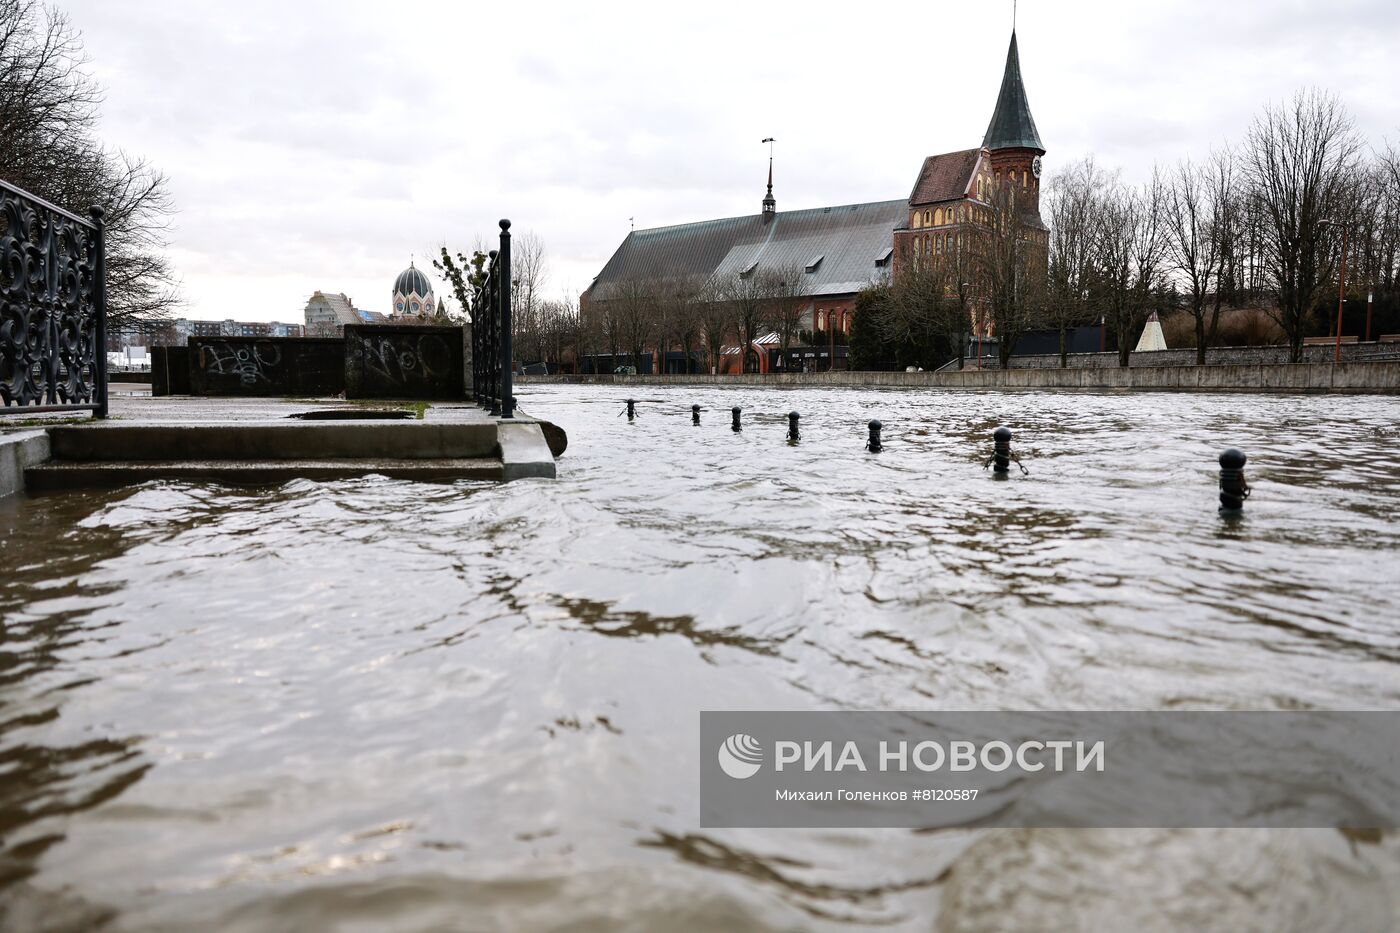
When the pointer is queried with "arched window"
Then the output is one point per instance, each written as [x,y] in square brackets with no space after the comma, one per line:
[926,218]
[918,220]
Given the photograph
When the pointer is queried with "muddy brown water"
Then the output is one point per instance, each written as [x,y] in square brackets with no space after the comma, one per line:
[374,704]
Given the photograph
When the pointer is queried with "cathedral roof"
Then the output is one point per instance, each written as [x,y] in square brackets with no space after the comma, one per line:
[840,246]
[945,177]
[412,282]
[1012,125]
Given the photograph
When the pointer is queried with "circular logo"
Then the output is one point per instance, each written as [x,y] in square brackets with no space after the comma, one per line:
[741,756]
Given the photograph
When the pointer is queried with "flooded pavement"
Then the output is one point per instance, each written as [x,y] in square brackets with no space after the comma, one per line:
[377,704]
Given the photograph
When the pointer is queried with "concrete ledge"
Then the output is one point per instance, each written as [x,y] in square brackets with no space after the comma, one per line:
[1379,377]
[524,451]
[62,475]
[18,452]
[274,441]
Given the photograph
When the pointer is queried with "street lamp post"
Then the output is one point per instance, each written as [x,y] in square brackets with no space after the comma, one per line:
[1370,296]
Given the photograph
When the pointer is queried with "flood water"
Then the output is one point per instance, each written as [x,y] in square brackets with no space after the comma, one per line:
[381,705]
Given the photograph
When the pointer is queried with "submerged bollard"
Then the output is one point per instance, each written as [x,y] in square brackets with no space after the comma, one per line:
[735,412]
[793,433]
[694,414]
[1001,454]
[873,445]
[631,409]
[1233,488]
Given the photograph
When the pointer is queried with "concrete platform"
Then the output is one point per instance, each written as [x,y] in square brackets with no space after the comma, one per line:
[260,440]
[58,475]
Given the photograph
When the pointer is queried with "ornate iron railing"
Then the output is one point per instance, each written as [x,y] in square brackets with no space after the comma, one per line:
[491,344]
[53,307]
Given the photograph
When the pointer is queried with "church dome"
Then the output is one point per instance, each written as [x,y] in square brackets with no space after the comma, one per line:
[412,282]
[413,293]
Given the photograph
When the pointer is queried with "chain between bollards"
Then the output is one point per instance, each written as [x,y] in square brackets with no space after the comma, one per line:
[873,444]
[694,414]
[794,434]
[736,411]
[1233,488]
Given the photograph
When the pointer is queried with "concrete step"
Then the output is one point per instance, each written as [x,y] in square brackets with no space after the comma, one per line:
[101,474]
[355,440]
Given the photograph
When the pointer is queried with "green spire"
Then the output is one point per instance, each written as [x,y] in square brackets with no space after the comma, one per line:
[1012,125]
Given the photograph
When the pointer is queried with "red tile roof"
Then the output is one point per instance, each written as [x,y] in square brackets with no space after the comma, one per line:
[945,177]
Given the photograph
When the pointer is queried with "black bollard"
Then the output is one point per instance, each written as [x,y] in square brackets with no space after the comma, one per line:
[793,433]
[1001,456]
[1233,488]
[735,412]
[631,409]
[694,414]
[873,445]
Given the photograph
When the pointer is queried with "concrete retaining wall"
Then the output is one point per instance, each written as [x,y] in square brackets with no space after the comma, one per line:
[404,362]
[170,370]
[266,366]
[1374,377]
[1215,356]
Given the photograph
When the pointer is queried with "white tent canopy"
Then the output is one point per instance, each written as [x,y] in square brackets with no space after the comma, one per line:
[1151,338]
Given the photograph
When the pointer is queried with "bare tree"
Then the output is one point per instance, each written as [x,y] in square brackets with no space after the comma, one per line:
[1075,199]
[1200,213]
[48,145]
[634,304]
[1300,159]
[717,323]
[1131,249]
[529,273]
[789,302]
[679,315]
[750,298]
[1010,266]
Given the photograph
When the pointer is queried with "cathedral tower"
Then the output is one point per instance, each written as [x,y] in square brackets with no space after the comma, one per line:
[1012,139]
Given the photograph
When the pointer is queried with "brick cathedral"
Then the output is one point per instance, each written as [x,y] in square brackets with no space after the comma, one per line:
[843,249]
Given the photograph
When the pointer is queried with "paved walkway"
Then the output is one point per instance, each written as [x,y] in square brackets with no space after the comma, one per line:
[180,409]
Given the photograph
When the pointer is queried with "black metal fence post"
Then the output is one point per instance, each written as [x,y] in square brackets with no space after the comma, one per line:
[99,301]
[507,400]
[492,402]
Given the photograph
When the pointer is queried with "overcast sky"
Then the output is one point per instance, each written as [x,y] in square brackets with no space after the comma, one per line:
[317,145]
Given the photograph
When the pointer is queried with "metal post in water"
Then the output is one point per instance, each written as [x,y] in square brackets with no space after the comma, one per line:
[631,409]
[1233,488]
[735,411]
[793,434]
[507,400]
[694,414]
[1001,456]
[873,445]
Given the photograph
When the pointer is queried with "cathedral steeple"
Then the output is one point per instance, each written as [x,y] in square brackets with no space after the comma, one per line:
[1012,125]
[770,204]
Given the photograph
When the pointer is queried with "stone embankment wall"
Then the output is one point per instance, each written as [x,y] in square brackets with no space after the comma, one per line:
[1367,377]
[1351,352]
